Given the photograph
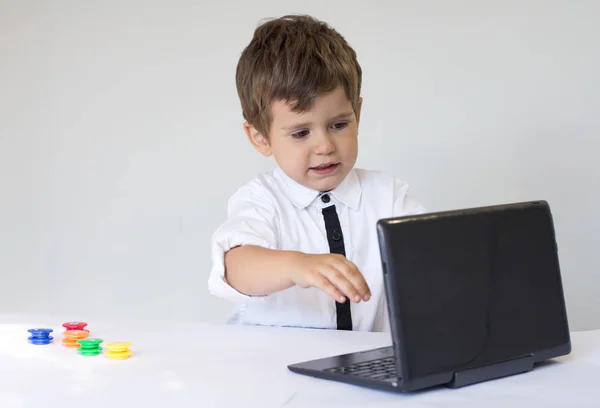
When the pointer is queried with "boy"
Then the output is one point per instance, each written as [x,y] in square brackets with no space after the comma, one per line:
[299,247]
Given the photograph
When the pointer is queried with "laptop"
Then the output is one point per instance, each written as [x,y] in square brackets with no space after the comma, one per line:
[473,295]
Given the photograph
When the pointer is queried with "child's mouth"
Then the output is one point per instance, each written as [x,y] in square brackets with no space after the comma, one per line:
[325,168]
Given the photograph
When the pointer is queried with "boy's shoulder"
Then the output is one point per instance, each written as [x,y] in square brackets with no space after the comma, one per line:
[261,188]
[382,188]
[266,181]
[377,179]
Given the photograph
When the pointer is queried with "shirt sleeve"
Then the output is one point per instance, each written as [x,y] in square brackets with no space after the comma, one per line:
[404,203]
[251,220]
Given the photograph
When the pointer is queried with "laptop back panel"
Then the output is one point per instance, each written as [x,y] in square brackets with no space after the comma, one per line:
[472,288]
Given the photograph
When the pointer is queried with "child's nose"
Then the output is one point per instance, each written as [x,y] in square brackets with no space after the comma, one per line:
[324,145]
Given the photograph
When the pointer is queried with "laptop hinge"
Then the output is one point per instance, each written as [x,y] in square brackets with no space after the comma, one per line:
[503,369]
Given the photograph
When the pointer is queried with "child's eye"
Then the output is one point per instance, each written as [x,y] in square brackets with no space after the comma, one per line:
[339,125]
[300,134]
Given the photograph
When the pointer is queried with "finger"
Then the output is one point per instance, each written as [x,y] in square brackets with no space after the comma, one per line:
[339,280]
[356,278]
[321,282]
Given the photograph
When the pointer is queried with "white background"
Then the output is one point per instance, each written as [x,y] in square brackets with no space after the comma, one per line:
[121,137]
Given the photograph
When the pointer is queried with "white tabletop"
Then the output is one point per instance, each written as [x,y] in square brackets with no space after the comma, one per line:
[202,365]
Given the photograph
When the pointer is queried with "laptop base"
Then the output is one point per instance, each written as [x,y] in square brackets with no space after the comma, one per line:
[491,372]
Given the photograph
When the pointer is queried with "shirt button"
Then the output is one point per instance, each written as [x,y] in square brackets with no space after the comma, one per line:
[325,198]
[336,236]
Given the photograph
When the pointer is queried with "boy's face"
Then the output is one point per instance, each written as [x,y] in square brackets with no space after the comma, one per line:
[317,148]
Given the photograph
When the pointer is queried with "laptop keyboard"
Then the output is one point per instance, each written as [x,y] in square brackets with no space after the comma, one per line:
[383,369]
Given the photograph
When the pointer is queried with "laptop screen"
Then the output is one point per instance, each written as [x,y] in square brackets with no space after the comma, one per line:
[474,287]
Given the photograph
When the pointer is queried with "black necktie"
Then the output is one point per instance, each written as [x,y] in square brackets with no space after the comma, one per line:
[335,238]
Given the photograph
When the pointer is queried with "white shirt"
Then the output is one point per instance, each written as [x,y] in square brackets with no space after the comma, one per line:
[275,212]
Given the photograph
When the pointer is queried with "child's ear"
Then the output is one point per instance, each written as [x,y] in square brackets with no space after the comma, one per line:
[257,139]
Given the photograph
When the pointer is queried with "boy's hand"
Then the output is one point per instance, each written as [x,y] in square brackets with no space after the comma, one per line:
[332,273]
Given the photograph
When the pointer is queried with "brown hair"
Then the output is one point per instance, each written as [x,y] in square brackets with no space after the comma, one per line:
[294,59]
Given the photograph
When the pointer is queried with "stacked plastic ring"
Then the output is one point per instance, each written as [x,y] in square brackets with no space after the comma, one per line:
[90,347]
[40,336]
[118,351]
[73,336]
[75,326]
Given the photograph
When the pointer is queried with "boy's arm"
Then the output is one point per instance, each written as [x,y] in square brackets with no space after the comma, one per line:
[248,265]
[254,270]
[251,220]
[257,271]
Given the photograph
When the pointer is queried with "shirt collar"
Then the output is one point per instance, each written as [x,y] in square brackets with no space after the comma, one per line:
[347,192]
